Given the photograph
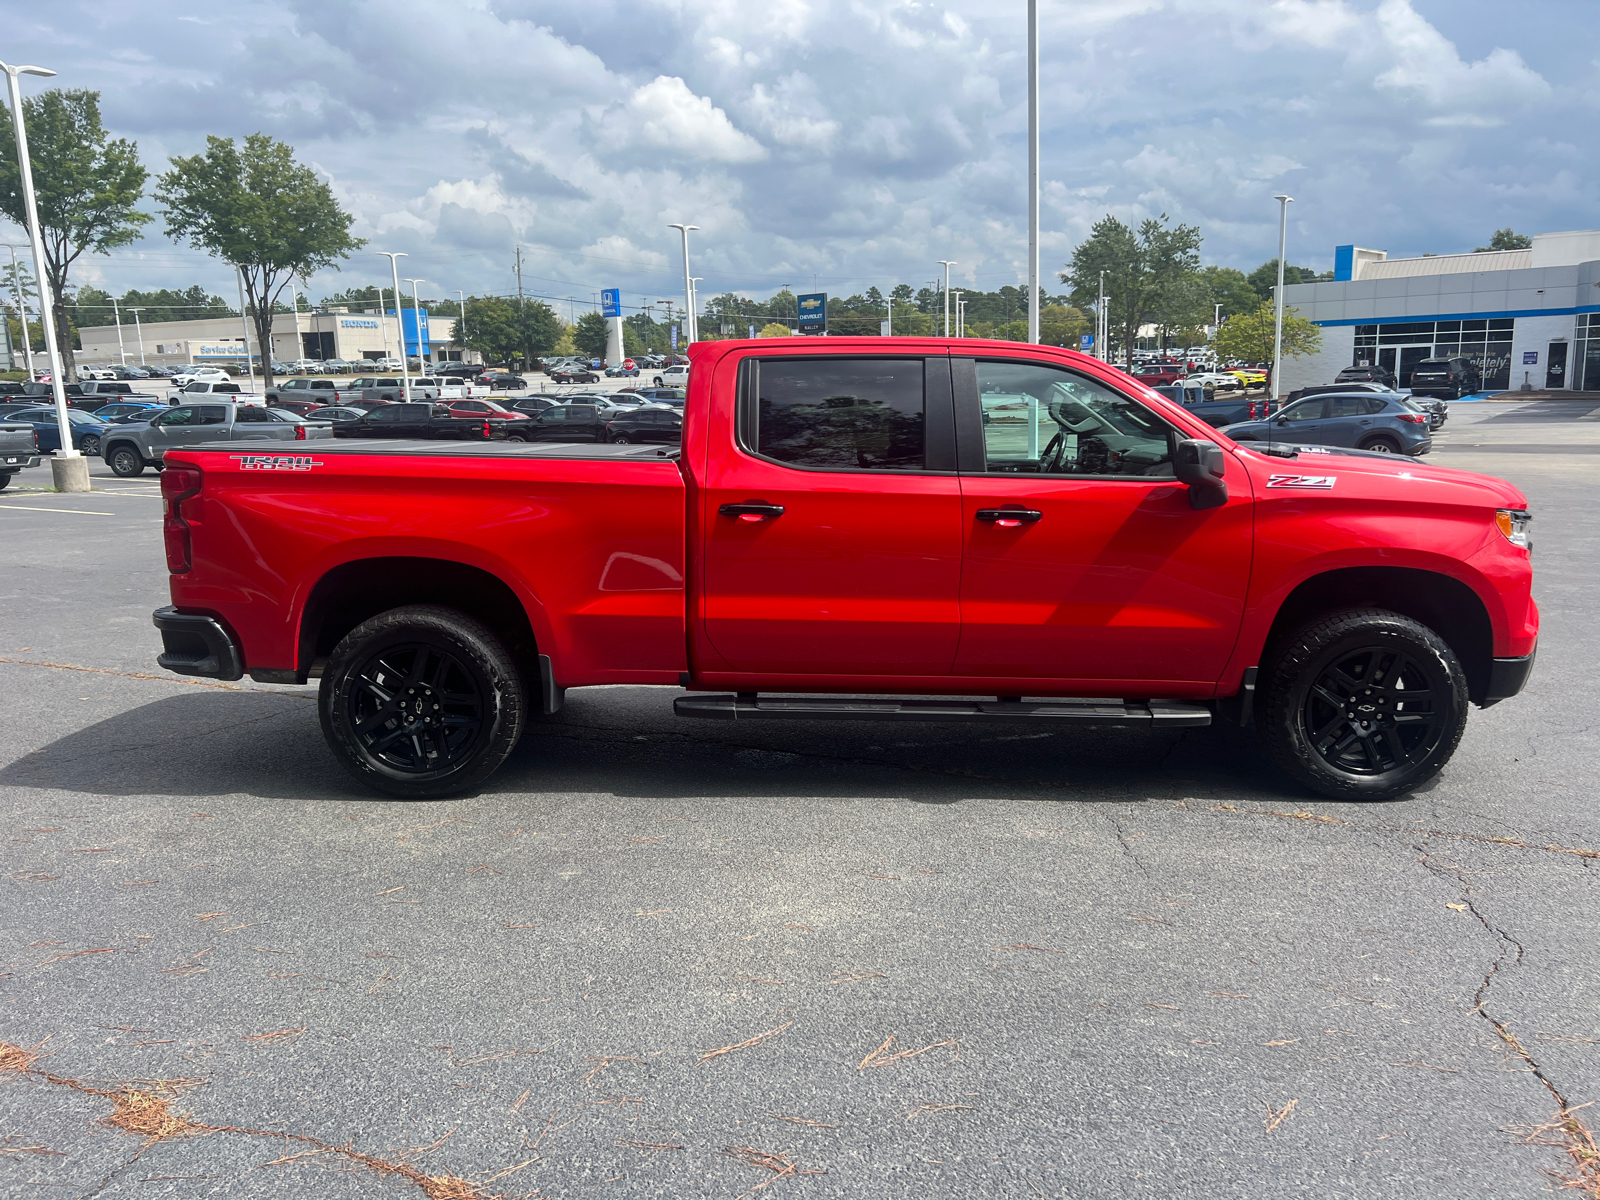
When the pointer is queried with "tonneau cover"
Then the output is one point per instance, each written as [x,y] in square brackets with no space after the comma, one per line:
[408,448]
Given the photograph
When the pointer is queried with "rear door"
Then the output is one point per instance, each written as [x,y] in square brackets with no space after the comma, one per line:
[1105,575]
[1347,420]
[831,531]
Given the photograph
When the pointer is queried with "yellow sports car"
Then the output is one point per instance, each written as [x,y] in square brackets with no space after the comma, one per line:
[1249,376]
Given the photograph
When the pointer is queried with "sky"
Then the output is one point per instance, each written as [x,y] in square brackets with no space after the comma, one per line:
[836,145]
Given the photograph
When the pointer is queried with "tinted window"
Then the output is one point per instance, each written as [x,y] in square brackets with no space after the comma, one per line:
[1347,406]
[246,415]
[391,412]
[1305,410]
[843,414]
[1043,420]
[178,416]
[1374,404]
[553,414]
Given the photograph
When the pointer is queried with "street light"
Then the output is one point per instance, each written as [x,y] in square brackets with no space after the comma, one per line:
[1033,171]
[461,309]
[116,316]
[688,284]
[138,329]
[244,321]
[946,264]
[394,258]
[416,320]
[78,478]
[1277,316]
[22,311]
[694,307]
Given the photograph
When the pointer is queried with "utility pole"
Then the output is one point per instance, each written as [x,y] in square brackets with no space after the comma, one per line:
[1033,171]
[1277,316]
[521,300]
[946,264]
[116,315]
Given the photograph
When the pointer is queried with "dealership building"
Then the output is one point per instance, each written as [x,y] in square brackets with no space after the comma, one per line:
[1526,317]
[334,333]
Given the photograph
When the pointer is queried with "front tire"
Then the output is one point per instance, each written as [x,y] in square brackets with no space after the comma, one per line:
[621,439]
[126,462]
[1363,704]
[90,446]
[421,702]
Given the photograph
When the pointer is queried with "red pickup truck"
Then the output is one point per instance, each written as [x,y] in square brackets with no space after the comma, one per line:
[862,529]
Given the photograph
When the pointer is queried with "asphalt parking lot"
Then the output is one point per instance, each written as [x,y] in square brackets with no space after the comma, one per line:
[679,959]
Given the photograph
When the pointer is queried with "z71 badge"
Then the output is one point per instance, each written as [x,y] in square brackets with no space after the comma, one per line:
[1301,481]
[275,462]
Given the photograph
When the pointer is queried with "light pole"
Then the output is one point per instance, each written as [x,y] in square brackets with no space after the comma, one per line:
[416,322]
[947,264]
[22,311]
[1033,171]
[461,324]
[73,478]
[694,308]
[1277,316]
[689,323]
[888,323]
[139,330]
[116,316]
[394,258]
[244,320]
[1102,321]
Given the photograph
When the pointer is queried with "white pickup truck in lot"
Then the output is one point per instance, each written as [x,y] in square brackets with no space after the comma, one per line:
[201,388]
[392,389]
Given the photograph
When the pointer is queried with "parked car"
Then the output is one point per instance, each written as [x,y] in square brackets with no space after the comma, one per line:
[532,405]
[1248,377]
[414,420]
[663,395]
[623,370]
[129,449]
[1381,422]
[575,373]
[662,426]
[10,387]
[316,391]
[19,449]
[505,382]
[298,408]
[569,423]
[676,376]
[87,429]
[486,408]
[123,411]
[1219,381]
[336,413]
[204,374]
[1447,378]
[158,372]
[1159,374]
[1347,605]
[1370,373]
[458,370]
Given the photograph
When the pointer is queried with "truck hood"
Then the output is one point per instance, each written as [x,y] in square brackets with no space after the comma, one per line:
[1385,473]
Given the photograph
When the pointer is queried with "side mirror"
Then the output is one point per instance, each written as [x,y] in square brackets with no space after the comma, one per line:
[1203,466]
[1283,420]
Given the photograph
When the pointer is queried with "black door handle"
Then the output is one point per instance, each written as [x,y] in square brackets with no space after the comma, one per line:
[1010,515]
[753,510]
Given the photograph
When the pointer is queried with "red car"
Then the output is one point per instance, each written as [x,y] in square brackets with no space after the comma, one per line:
[965,530]
[481,409]
[1159,374]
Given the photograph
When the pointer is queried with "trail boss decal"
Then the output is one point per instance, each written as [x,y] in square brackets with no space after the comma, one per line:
[1301,481]
[275,462]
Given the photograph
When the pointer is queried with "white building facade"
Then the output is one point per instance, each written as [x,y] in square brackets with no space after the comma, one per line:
[1525,317]
[336,333]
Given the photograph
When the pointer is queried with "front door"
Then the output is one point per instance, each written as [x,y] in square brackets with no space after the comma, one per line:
[1106,576]
[1555,371]
[832,534]
[188,425]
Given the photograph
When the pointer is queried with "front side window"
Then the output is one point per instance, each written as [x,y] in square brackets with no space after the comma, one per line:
[1044,420]
[841,414]
[1305,410]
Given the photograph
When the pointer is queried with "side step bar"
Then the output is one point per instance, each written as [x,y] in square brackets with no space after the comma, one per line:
[747,706]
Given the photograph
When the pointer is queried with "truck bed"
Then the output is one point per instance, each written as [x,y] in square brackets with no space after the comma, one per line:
[590,538]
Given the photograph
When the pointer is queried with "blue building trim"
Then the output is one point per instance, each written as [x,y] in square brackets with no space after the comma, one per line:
[1466,316]
[1344,262]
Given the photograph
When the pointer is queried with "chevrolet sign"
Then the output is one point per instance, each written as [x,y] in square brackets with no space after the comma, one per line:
[814,313]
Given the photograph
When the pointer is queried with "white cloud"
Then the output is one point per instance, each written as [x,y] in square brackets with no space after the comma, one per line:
[666,114]
[1428,64]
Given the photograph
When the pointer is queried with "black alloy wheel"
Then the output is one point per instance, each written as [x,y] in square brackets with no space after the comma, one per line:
[126,462]
[1364,704]
[421,702]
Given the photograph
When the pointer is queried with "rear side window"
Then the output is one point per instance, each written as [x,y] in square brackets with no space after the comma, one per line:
[1347,406]
[249,415]
[839,414]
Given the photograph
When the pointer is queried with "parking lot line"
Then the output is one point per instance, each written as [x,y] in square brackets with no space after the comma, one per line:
[84,512]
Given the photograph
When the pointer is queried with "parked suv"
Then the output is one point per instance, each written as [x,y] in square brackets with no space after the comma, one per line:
[1366,374]
[1449,378]
[1380,421]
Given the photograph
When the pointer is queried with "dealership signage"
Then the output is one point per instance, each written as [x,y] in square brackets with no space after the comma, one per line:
[233,349]
[357,323]
[813,313]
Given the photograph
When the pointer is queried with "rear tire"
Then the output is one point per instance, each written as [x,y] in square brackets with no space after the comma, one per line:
[421,702]
[621,439]
[1363,704]
[1380,446]
[6,478]
[125,462]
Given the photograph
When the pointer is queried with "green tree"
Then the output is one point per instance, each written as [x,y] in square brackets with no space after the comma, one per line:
[1231,289]
[1141,270]
[259,209]
[1506,239]
[86,184]
[1059,325]
[1265,277]
[1248,337]
[775,330]
[589,335]
[503,330]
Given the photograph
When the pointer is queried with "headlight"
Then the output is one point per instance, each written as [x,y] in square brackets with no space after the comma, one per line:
[1517,525]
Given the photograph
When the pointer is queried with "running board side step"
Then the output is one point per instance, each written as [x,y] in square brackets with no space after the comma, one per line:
[747,706]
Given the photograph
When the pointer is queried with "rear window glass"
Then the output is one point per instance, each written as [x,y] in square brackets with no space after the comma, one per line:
[842,414]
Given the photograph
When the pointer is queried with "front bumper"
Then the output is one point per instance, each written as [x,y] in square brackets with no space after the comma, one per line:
[1507,677]
[196,645]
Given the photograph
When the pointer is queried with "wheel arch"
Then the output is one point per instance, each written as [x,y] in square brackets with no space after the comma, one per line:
[353,591]
[1441,602]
